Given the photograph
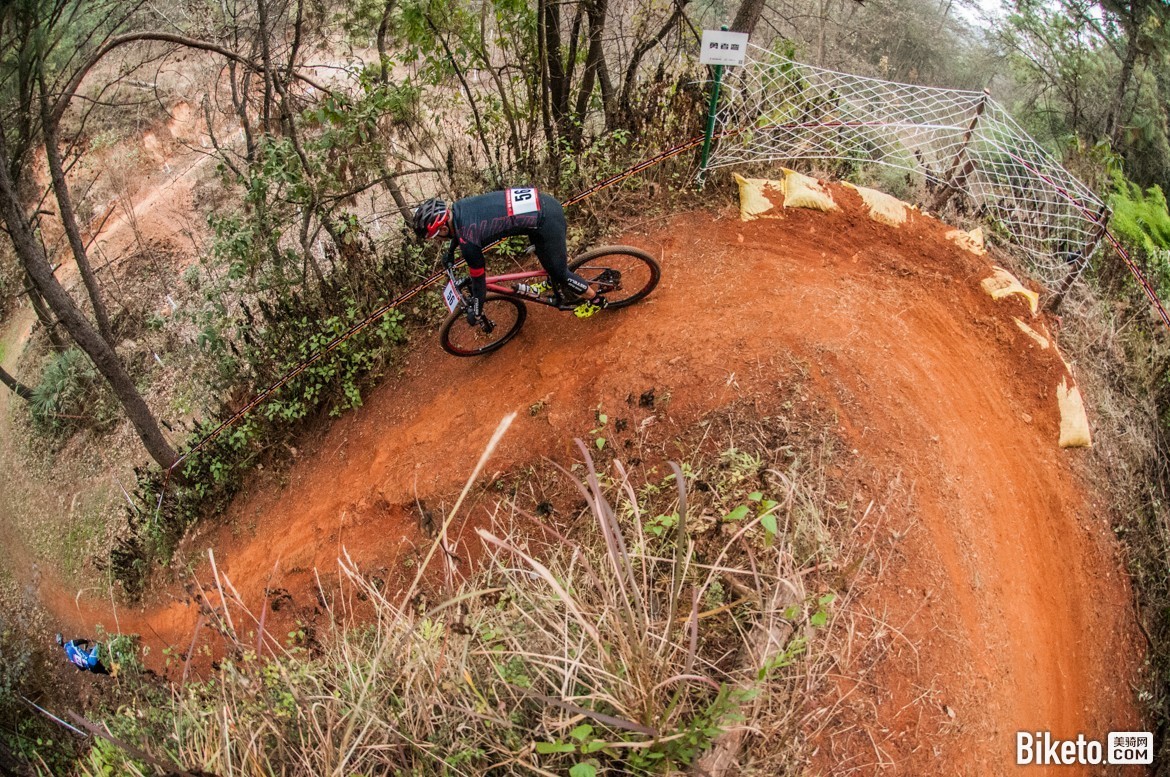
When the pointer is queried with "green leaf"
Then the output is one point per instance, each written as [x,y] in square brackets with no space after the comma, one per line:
[755,496]
[600,442]
[769,522]
[826,599]
[544,748]
[602,418]
[582,732]
[583,770]
[767,505]
[738,514]
[819,618]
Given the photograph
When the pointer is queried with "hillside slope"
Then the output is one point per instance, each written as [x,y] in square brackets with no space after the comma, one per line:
[1001,604]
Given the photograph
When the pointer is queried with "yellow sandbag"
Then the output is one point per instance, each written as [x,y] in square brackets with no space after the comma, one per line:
[1003,284]
[1074,424]
[753,201]
[883,208]
[969,241]
[1040,339]
[801,191]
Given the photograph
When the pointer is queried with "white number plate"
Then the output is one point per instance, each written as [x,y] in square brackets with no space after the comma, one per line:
[522,201]
[451,297]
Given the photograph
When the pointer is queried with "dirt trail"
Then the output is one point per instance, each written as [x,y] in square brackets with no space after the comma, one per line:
[1002,605]
[13,336]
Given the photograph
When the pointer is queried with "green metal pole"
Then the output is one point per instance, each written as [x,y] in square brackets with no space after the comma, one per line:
[711,109]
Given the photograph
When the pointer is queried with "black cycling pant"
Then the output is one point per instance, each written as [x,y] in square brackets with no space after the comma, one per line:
[550,242]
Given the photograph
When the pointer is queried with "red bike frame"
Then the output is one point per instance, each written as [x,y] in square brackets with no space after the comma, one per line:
[493,281]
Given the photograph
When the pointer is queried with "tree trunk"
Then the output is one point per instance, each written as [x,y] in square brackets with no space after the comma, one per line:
[748,16]
[395,191]
[640,51]
[48,323]
[18,388]
[479,129]
[507,104]
[100,352]
[560,66]
[69,220]
[608,97]
[383,52]
[596,69]
[266,66]
[1113,121]
[544,84]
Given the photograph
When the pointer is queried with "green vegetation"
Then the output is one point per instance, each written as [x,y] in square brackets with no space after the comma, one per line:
[68,392]
[1142,222]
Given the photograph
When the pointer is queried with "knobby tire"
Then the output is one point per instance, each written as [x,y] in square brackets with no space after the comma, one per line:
[639,269]
[459,339]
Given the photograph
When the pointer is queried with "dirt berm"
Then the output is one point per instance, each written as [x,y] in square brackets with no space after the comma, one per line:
[1002,604]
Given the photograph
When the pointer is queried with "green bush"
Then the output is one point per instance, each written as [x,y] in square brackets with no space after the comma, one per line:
[1141,221]
[67,393]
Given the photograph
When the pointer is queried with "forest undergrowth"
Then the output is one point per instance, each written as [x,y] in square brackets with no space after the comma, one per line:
[1119,349]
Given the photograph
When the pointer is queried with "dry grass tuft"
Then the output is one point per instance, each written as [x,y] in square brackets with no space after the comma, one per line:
[617,650]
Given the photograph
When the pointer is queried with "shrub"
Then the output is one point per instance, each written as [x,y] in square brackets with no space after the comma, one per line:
[1141,221]
[69,392]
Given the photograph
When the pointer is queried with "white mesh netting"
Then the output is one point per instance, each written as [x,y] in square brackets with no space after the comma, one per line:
[776,109]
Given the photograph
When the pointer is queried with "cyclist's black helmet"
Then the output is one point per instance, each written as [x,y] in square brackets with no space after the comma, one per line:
[429,217]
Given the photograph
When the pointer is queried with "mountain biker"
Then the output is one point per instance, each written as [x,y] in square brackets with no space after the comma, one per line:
[83,655]
[475,222]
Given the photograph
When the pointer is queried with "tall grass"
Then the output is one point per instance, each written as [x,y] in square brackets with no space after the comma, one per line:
[611,650]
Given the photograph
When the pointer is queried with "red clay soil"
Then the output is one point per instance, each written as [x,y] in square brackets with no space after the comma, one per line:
[1002,604]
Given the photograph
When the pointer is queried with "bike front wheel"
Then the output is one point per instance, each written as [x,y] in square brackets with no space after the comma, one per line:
[501,320]
[622,274]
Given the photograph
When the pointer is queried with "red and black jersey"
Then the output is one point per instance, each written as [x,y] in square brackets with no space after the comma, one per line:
[485,218]
[477,222]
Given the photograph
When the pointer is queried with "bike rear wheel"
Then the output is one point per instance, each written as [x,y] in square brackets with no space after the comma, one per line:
[504,317]
[622,274]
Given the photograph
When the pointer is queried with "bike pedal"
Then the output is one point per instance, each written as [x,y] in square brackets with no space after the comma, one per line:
[585,310]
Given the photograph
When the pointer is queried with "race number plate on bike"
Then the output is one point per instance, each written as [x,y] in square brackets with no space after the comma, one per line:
[522,201]
[451,297]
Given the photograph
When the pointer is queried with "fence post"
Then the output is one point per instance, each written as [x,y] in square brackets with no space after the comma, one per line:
[956,177]
[1079,261]
[712,108]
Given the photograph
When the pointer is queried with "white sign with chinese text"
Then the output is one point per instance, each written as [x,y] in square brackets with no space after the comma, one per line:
[723,48]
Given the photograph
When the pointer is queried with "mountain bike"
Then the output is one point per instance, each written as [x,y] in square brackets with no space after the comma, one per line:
[622,274]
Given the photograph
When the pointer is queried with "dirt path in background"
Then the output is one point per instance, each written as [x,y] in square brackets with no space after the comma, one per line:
[1002,604]
[18,561]
[161,211]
